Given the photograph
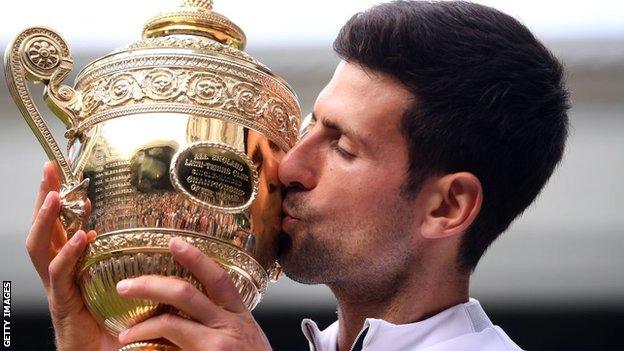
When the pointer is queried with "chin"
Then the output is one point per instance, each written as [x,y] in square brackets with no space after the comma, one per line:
[302,276]
[291,262]
[300,261]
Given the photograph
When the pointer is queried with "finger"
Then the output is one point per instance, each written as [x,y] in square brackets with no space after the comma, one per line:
[58,236]
[38,242]
[171,291]
[217,282]
[183,332]
[91,234]
[87,212]
[61,269]
[50,182]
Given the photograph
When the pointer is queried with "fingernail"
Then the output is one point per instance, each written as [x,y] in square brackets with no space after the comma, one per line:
[124,285]
[76,239]
[45,165]
[46,201]
[179,245]
[123,334]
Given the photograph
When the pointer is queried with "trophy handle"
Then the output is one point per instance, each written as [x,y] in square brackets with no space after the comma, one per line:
[40,55]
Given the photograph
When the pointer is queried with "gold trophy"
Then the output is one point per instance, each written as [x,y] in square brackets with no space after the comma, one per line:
[176,135]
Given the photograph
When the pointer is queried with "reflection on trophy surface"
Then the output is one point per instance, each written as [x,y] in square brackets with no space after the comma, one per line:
[177,134]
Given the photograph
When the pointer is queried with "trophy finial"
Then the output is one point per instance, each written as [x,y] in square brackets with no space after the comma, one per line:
[196,17]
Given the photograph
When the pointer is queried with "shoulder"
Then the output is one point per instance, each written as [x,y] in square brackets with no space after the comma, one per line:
[489,339]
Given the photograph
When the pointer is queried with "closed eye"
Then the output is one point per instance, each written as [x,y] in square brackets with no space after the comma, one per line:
[340,151]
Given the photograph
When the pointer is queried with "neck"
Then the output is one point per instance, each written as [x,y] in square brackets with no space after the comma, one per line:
[409,302]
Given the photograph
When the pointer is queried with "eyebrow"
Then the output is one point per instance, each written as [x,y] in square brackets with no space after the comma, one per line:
[348,132]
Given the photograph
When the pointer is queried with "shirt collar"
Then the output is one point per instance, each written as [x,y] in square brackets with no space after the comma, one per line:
[461,319]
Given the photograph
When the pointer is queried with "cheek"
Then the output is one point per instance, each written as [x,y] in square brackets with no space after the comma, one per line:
[363,195]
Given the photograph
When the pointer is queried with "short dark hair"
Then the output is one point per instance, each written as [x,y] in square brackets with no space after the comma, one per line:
[489,100]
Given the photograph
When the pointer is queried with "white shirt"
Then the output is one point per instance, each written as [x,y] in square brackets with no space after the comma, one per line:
[463,327]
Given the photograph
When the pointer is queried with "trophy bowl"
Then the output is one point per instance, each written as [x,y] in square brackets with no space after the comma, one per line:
[176,135]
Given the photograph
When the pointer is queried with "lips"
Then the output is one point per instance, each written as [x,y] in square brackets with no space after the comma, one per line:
[288,213]
[288,219]
[288,222]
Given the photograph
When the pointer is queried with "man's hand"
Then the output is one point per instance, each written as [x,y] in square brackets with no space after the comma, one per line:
[220,320]
[54,258]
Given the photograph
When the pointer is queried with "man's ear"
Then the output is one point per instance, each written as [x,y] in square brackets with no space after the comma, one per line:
[452,203]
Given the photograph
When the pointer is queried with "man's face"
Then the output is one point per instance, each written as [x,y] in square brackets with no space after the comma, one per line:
[345,219]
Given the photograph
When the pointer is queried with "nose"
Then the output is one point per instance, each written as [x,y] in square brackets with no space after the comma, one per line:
[299,167]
